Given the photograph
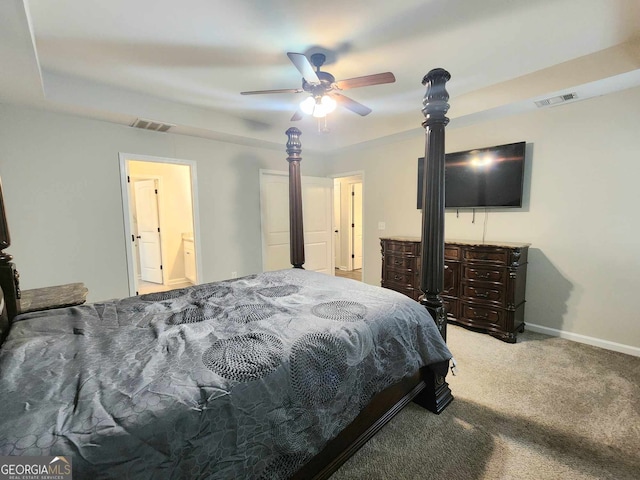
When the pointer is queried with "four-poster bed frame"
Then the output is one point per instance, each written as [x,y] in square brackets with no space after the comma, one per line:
[427,387]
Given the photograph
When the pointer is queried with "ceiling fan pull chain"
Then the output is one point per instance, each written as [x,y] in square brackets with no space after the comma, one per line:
[325,128]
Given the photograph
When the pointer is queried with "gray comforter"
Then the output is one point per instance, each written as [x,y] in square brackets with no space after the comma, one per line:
[239,379]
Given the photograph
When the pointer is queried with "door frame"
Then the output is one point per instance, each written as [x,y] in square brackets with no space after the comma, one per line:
[353,173]
[337,232]
[352,241]
[124,159]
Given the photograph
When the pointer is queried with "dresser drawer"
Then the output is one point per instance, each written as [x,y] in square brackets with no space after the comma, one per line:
[451,252]
[399,277]
[484,274]
[402,247]
[482,316]
[483,294]
[497,256]
[401,262]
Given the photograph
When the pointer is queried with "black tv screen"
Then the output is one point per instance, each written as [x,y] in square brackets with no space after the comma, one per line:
[482,178]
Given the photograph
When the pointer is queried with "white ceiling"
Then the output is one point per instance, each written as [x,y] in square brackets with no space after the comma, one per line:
[185,62]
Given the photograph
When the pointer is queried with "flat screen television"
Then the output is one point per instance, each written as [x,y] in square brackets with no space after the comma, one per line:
[489,177]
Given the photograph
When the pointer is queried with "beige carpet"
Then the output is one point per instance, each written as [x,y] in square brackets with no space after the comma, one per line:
[543,408]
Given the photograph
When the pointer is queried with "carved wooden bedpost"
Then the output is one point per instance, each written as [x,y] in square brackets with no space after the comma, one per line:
[296,231]
[438,395]
[432,279]
[8,273]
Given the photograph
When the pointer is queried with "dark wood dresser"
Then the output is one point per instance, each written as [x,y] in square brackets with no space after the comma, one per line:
[484,283]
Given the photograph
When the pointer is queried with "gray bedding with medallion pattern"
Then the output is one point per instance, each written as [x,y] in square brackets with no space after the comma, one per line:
[240,379]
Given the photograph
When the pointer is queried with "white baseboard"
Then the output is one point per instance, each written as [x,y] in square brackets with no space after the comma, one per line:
[176,281]
[576,337]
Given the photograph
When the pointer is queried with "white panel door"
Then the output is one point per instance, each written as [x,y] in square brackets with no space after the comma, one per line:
[148,231]
[317,197]
[274,208]
[317,220]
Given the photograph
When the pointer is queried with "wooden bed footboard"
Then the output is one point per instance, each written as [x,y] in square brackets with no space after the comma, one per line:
[422,388]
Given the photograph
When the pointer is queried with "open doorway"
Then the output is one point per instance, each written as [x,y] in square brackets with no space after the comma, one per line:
[348,223]
[161,223]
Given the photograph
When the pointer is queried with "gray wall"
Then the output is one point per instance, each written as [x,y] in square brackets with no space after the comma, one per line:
[62,190]
[580,209]
[61,181]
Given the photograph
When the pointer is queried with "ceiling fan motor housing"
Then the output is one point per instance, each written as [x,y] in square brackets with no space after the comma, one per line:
[326,84]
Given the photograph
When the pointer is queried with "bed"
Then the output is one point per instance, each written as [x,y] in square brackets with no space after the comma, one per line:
[277,375]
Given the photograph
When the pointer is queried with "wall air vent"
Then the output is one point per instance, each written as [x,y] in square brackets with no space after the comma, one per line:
[556,100]
[151,125]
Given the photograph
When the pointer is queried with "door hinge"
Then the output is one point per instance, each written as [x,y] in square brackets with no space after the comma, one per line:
[158,229]
[133,238]
[353,256]
[156,191]
[353,225]
[128,179]
[353,194]
[160,267]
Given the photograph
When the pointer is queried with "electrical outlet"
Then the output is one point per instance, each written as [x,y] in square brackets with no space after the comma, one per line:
[234,274]
[381,226]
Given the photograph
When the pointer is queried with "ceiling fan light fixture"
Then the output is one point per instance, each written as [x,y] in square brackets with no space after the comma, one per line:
[308,105]
[318,106]
[328,103]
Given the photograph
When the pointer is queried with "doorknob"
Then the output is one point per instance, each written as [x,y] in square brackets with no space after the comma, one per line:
[336,231]
[138,236]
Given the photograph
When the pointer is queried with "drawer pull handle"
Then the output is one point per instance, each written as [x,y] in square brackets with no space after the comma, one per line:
[483,317]
[397,277]
[397,262]
[482,295]
[483,275]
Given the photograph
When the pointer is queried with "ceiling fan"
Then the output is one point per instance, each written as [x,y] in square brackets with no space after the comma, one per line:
[324,88]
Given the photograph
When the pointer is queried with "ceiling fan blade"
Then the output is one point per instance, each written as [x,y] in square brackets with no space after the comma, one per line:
[365,81]
[303,65]
[297,116]
[351,104]
[284,90]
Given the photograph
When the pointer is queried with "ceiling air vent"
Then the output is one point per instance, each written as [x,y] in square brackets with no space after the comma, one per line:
[555,100]
[151,125]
